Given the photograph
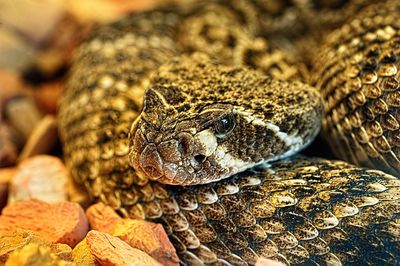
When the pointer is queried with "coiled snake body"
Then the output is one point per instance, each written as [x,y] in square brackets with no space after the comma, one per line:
[207,117]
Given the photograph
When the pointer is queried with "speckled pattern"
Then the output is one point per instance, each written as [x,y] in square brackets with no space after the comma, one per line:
[358,73]
[189,95]
[301,212]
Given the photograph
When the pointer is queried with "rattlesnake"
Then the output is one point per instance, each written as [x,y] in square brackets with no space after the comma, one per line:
[207,117]
[358,75]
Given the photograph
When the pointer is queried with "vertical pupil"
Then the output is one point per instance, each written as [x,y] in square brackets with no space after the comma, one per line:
[225,124]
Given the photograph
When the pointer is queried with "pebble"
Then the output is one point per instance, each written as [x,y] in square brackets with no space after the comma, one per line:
[34,20]
[6,174]
[3,195]
[42,139]
[103,218]
[35,255]
[109,250]
[146,236]
[59,49]
[21,238]
[16,53]
[63,222]
[11,86]
[47,95]
[82,255]
[149,237]
[8,151]
[22,114]
[16,103]
[41,177]
[268,262]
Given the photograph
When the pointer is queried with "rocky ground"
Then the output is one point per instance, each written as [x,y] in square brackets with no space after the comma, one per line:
[47,219]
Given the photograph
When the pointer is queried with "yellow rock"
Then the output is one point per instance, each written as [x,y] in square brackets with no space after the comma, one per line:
[21,238]
[81,255]
[35,255]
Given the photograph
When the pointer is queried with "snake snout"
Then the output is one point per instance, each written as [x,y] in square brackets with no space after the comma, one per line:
[151,162]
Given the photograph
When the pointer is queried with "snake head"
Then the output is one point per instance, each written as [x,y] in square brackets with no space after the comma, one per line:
[203,122]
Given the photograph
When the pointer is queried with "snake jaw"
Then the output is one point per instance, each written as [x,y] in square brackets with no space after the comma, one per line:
[186,160]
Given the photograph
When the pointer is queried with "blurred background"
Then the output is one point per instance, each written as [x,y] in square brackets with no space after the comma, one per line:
[43,32]
[37,42]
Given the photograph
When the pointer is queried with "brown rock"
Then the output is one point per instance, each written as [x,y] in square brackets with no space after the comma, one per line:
[11,86]
[42,139]
[19,239]
[60,46]
[110,250]
[6,174]
[23,115]
[146,236]
[16,105]
[35,20]
[62,222]
[35,255]
[16,53]
[3,195]
[81,255]
[8,151]
[47,96]
[41,177]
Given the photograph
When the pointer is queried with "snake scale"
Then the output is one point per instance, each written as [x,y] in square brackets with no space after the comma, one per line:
[206,154]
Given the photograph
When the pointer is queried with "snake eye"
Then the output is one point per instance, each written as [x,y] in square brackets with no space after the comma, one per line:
[224,126]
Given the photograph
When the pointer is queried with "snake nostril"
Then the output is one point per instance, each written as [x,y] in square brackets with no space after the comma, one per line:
[200,158]
[185,146]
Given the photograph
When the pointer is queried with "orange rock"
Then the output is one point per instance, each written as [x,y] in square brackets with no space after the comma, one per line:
[102,218]
[41,177]
[146,236]
[110,250]
[62,222]
[149,237]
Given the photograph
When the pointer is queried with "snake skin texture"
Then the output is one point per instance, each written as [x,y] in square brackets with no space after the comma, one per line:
[358,74]
[203,121]
[302,211]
